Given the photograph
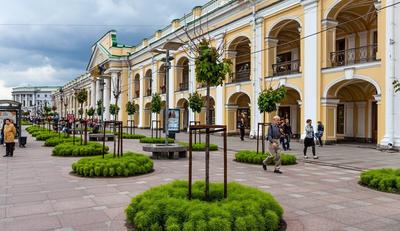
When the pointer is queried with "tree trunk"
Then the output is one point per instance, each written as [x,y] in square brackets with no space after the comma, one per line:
[208,121]
[81,121]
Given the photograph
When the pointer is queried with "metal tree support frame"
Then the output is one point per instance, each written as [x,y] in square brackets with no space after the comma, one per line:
[207,128]
[196,133]
[157,128]
[117,146]
[262,125]
[131,128]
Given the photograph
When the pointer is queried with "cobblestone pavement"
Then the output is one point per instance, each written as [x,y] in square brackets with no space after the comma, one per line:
[38,193]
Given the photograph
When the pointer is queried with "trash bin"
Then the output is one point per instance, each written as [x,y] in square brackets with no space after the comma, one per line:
[22,141]
[171,135]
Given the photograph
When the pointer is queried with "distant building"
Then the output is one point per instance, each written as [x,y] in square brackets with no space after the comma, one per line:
[34,98]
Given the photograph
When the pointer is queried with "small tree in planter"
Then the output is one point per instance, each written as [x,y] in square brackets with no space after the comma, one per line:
[156,107]
[131,110]
[114,109]
[90,112]
[100,107]
[211,70]
[196,103]
[82,97]
[267,101]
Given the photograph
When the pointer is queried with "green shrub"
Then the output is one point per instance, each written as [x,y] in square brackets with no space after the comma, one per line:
[252,157]
[43,136]
[69,149]
[199,146]
[149,140]
[130,164]
[54,141]
[133,136]
[25,123]
[166,207]
[386,179]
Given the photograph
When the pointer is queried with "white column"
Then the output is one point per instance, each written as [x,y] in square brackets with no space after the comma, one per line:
[171,86]
[141,95]
[98,92]
[310,61]
[257,75]
[114,87]
[396,114]
[192,84]
[154,84]
[93,93]
[219,94]
[390,44]
[130,96]
[107,96]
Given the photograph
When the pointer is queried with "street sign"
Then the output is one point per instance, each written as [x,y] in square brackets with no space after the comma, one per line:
[174,120]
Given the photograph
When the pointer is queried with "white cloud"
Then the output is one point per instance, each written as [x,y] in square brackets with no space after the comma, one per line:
[5,92]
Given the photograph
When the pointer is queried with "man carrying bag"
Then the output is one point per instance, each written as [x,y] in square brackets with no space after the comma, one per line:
[274,135]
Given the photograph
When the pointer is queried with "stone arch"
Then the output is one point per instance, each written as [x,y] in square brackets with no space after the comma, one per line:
[358,77]
[182,74]
[239,52]
[148,81]
[183,105]
[238,107]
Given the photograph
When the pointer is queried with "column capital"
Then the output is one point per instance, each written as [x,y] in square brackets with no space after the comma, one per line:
[329,23]
[113,70]
[308,4]
[377,98]
[271,41]
[329,102]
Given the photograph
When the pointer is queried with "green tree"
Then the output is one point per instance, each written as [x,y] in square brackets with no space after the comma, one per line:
[82,97]
[196,103]
[90,112]
[156,104]
[211,70]
[100,107]
[114,109]
[268,99]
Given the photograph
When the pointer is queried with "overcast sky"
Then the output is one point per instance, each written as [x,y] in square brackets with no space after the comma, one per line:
[47,42]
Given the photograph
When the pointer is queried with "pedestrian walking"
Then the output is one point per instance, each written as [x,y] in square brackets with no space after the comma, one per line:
[283,139]
[309,140]
[241,127]
[274,135]
[289,133]
[320,132]
[9,136]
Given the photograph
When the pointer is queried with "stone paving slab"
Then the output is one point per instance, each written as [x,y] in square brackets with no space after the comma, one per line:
[38,193]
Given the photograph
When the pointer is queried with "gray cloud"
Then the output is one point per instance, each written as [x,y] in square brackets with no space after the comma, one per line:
[48,42]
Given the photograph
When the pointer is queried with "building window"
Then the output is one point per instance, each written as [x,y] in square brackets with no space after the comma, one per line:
[30,103]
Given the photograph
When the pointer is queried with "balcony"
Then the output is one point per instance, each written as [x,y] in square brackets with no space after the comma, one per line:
[163,89]
[183,86]
[148,92]
[354,56]
[241,76]
[286,68]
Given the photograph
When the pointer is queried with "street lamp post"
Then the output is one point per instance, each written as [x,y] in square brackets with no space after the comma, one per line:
[168,46]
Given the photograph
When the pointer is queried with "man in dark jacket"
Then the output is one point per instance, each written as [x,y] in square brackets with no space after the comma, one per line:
[274,135]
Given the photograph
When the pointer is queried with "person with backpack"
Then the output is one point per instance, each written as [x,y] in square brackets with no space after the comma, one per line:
[320,132]
[274,136]
[309,140]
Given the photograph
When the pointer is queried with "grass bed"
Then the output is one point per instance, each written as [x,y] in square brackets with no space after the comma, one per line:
[199,146]
[251,157]
[149,140]
[133,136]
[166,207]
[69,149]
[130,164]
[385,180]
[54,141]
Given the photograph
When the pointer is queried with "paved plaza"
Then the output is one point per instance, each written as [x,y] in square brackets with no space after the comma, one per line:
[38,193]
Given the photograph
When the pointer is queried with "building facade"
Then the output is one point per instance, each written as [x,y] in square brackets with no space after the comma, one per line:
[33,99]
[337,59]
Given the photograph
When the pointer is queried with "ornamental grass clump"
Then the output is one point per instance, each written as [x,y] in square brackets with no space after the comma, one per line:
[252,157]
[166,207]
[149,140]
[385,180]
[130,164]
[199,146]
[69,149]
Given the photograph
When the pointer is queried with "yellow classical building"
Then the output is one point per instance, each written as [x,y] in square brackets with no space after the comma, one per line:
[337,58]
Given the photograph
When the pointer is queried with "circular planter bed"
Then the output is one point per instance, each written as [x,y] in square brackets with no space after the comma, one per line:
[199,146]
[251,157]
[54,141]
[43,136]
[69,149]
[130,164]
[133,136]
[385,180]
[149,140]
[166,207]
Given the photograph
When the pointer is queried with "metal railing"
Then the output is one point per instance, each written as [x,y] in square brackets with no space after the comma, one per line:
[286,68]
[163,89]
[356,55]
[241,76]
[137,93]
[148,92]
[183,86]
